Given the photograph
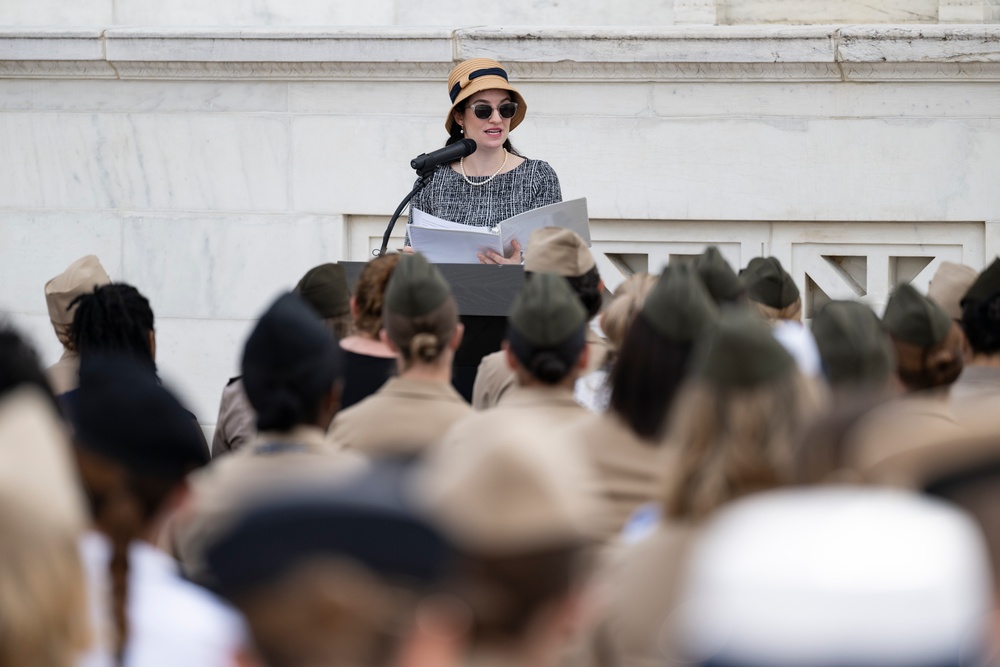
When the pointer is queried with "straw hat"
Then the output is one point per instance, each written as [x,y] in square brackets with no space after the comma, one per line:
[472,76]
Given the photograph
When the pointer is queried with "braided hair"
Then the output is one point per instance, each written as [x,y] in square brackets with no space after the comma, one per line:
[114,318]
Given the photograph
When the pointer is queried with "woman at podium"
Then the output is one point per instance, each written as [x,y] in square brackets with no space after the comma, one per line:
[495,182]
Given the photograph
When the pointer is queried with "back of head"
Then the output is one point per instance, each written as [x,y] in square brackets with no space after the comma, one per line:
[980,311]
[562,252]
[546,328]
[653,361]
[330,575]
[517,505]
[736,420]
[928,343]
[949,285]
[43,601]
[79,278]
[830,576]
[369,294]
[324,287]
[419,314]
[625,305]
[290,363]
[853,345]
[719,277]
[772,289]
[114,319]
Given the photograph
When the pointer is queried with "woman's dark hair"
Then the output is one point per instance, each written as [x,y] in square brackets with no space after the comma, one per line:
[19,365]
[981,321]
[284,402]
[115,319]
[369,294]
[423,337]
[588,288]
[645,378]
[547,365]
[456,132]
[923,368]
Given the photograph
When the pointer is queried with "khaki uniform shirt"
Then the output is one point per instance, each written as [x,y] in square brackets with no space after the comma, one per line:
[237,423]
[64,375]
[494,377]
[642,587]
[404,416]
[274,461]
[896,430]
[628,470]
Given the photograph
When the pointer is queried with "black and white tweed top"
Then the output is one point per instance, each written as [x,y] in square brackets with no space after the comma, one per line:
[530,185]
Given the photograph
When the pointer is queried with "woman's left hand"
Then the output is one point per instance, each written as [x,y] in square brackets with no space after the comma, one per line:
[497,258]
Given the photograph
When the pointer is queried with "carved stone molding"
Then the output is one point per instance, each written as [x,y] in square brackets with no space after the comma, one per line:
[688,53]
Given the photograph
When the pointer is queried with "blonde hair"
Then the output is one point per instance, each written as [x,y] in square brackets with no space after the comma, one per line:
[625,305]
[43,605]
[792,311]
[733,441]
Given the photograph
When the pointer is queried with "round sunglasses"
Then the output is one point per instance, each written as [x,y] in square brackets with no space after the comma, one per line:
[485,111]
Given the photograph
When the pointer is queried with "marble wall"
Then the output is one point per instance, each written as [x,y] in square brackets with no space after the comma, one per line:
[212,167]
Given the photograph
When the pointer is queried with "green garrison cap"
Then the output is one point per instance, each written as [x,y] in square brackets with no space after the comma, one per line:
[324,287]
[679,307]
[719,277]
[852,343]
[912,317]
[415,287]
[768,283]
[741,352]
[986,285]
[547,312]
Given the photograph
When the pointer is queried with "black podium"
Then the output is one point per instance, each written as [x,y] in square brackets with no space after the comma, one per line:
[483,294]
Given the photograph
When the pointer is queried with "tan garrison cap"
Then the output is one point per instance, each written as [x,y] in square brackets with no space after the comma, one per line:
[517,489]
[35,464]
[949,285]
[80,277]
[557,250]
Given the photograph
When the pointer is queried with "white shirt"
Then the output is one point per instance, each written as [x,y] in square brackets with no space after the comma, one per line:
[172,622]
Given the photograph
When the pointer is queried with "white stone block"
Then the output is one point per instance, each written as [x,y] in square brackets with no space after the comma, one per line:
[56,12]
[131,96]
[359,165]
[259,12]
[735,12]
[36,246]
[231,267]
[536,13]
[158,161]
[925,44]
[69,43]
[196,358]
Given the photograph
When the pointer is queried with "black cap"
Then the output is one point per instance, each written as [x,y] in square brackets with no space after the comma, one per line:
[367,520]
[986,285]
[324,287]
[912,317]
[740,351]
[719,277]
[679,307]
[122,413]
[768,283]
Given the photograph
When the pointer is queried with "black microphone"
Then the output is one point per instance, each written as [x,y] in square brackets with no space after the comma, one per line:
[426,162]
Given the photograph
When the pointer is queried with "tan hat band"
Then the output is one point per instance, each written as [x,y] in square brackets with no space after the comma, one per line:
[490,71]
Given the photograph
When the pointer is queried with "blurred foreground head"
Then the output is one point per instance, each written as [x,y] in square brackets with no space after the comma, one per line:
[719,277]
[833,576]
[516,503]
[292,368]
[771,289]
[737,419]
[981,312]
[335,576]
[855,349]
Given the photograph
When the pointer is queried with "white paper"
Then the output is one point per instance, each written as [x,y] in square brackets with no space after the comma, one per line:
[453,246]
[446,242]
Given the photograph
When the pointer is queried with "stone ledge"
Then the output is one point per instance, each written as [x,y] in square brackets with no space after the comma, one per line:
[682,53]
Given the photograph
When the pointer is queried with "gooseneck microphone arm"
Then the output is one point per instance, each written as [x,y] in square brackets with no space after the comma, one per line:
[425,164]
